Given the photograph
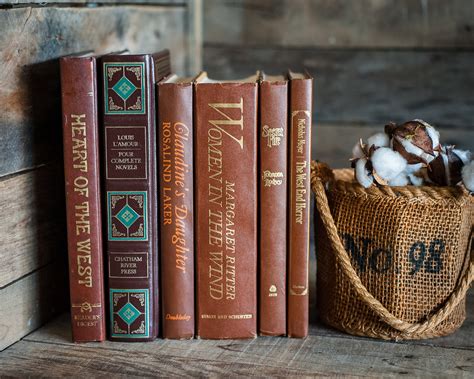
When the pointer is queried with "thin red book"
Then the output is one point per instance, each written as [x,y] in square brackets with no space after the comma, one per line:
[131,192]
[82,184]
[273,156]
[300,107]
[175,140]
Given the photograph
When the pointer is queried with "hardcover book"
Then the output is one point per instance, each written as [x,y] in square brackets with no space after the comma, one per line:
[82,184]
[128,84]
[300,107]
[226,207]
[273,147]
[175,115]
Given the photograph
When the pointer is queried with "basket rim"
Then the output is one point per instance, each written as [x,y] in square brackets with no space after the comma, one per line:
[345,183]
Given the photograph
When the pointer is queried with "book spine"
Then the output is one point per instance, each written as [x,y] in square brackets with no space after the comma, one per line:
[82,185]
[299,216]
[131,195]
[175,115]
[273,143]
[226,218]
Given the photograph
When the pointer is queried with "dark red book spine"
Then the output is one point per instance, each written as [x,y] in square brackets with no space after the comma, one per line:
[300,109]
[81,171]
[273,144]
[226,209]
[175,110]
[131,192]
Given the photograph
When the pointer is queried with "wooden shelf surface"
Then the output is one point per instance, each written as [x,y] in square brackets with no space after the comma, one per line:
[49,352]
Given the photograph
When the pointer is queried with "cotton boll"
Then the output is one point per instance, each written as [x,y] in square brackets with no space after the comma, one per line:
[432,133]
[399,181]
[445,170]
[417,141]
[357,151]
[378,140]
[412,153]
[468,176]
[387,163]
[362,174]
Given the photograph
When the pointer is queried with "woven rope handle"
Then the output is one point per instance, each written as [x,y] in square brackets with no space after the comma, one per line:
[344,261]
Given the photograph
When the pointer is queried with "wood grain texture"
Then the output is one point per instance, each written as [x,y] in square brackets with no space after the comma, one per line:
[31,301]
[49,352]
[95,2]
[333,143]
[368,87]
[31,40]
[194,36]
[337,24]
[33,224]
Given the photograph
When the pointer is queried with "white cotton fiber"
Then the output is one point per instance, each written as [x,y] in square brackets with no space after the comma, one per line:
[399,181]
[412,168]
[387,163]
[362,174]
[357,151]
[468,176]
[378,140]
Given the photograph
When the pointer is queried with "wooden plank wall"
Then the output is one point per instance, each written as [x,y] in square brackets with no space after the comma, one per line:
[374,61]
[32,37]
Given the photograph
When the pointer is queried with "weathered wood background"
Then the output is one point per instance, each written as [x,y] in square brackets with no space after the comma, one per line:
[33,35]
[374,61]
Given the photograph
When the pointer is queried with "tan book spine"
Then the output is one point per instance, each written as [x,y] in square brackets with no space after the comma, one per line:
[300,108]
[273,144]
[175,120]
[226,205]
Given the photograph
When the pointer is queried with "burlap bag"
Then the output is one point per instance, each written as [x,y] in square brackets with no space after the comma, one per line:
[393,262]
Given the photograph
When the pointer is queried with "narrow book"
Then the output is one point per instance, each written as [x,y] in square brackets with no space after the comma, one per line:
[226,207]
[175,140]
[273,147]
[128,84]
[300,107]
[82,182]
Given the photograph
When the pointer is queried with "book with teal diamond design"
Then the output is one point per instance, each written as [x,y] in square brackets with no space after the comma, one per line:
[127,216]
[131,203]
[124,88]
[129,313]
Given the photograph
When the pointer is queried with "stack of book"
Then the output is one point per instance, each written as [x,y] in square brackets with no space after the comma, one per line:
[197,190]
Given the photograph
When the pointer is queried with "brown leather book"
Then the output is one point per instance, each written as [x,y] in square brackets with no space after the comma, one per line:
[82,182]
[175,140]
[300,107]
[273,144]
[226,207]
[128,100]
